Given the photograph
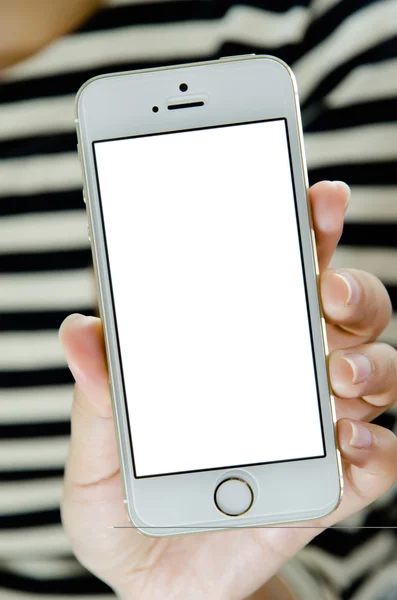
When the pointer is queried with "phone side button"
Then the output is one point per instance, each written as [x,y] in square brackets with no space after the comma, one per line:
[236,56]
[315,252]
[324,328]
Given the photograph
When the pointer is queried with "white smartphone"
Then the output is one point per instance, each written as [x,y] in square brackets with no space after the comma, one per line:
[205,258]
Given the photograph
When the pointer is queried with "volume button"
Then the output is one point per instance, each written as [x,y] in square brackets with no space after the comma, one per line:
[82,171]
[315,252]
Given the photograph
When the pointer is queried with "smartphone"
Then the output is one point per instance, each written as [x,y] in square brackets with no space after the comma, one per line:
[197,197]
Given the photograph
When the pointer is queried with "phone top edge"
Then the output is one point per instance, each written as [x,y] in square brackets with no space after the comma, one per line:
[237,58]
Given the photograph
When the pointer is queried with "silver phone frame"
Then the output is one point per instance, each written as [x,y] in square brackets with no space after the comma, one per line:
[317,483]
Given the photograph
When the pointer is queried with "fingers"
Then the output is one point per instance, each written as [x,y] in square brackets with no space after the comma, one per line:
[93,452]
[369,457]
[364,379]
[328,200]
[355,304]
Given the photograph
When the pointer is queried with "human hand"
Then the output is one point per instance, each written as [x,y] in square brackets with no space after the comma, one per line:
[230,565]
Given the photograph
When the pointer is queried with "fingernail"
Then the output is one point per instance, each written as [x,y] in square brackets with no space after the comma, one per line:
[361,436]
[347,188]
[67,320]
[73,317]
[360,365]
[353,287]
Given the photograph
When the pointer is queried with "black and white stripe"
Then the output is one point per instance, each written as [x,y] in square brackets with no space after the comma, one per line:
[344,54]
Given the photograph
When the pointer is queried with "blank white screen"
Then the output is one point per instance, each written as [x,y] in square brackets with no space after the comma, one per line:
[209,298]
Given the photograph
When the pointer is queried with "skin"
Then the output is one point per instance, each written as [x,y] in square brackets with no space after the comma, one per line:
[232,565]
[27,26]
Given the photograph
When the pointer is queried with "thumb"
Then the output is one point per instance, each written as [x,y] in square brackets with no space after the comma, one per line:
[93,453]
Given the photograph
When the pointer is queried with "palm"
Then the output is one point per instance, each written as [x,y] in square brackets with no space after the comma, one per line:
[159,567]
[229,564]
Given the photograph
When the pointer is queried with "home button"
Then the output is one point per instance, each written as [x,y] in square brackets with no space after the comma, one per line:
[234,497]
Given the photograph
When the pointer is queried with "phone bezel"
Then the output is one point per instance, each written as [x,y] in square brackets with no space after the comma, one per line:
[316,482]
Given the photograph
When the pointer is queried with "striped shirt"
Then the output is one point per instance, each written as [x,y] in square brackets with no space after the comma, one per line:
[344,56]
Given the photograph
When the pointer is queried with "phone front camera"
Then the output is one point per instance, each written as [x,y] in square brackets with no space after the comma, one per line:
[183,87]
[155,109]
